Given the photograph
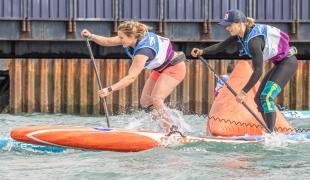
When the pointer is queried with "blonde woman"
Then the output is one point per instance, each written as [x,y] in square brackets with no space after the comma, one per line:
[261,42]
[150,51]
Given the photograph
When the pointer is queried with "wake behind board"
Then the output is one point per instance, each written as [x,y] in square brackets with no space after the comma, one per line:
[113,139]
[296,114]
[8,144]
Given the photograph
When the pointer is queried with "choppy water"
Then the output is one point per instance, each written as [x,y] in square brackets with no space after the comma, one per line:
[201,160]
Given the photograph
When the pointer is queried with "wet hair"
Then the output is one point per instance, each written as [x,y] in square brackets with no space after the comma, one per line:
[250,22]
[230,68]
[134,28]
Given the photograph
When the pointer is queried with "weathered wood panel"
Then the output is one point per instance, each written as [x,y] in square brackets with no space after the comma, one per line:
[70,86]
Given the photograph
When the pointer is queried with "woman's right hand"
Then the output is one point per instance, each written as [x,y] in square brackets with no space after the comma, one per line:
[195,52]
[104,92]
[85,33]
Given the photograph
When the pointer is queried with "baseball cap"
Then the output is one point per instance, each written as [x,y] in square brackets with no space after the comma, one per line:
[232,16]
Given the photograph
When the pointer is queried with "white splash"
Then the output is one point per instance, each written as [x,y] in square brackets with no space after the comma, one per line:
[177,119]
[146,121]
[134,123]
[275,139]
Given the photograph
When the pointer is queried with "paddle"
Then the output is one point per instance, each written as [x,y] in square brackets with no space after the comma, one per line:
[234,93]
[104,104]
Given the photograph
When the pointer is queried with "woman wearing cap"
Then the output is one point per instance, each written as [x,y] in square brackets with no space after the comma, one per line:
[260,42]
[147,50]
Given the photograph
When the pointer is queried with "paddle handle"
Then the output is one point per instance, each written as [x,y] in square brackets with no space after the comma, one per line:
[234,93]
[104,104]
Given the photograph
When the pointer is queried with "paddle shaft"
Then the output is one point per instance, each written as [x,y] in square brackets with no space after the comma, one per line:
[104,104]
[234,93]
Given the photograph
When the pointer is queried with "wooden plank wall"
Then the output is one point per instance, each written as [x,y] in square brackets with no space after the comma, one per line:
[70,86]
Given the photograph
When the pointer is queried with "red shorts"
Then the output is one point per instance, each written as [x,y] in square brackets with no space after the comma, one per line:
[177,72]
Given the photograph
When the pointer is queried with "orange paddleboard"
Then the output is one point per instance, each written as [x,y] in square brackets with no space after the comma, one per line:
[109,139]
[114,139]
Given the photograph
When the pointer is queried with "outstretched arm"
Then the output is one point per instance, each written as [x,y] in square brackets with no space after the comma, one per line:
[101,40]
[216,47]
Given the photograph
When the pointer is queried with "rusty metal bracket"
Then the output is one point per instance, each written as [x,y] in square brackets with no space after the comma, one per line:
[72,14]
[116,15]
[25,25]
[161,23]
[294,28]
[207,29]
[71,26]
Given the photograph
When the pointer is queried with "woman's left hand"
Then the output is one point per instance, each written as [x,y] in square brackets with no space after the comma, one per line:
[104,92]
[241,96]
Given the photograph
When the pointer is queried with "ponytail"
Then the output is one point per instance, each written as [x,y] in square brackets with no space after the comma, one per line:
[250,22]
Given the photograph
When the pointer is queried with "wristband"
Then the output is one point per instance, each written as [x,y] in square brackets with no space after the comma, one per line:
[110,89]
[91,37]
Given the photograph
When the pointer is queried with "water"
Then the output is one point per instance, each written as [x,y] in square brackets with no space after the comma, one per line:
[200,160]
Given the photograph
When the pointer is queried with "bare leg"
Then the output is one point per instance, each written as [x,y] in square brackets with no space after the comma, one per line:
[156,91]
[150,96]
[146,99]
[162,89]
